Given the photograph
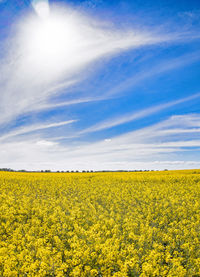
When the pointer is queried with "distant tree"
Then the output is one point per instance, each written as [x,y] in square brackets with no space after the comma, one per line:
[7,169]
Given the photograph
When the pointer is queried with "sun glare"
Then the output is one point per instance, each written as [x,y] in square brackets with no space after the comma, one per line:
[51,39]
[49,32]
[58,40]
[41,7]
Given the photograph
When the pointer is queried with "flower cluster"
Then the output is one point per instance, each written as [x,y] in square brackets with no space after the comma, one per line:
[100,224]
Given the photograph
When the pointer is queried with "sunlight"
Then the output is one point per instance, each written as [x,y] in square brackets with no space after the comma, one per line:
[51,39]
[41,7]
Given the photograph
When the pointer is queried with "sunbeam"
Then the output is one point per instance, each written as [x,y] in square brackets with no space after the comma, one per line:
[41,7]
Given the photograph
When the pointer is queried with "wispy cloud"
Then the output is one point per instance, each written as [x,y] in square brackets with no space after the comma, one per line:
[35,77]
[33,128]
[106,124]
[29,77]
[147,148]
[69,103]
[155,70]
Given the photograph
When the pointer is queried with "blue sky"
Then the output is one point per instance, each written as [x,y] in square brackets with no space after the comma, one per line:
[99,84]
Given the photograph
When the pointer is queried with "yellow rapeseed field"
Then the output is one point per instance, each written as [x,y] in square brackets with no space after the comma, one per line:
[100,224]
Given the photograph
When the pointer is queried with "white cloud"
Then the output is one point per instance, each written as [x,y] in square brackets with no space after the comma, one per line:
[147,148]
[155,70]
[46,143]
[33,71]
[107,140]
[137,115]
[32,128]
[54,53]
[70,102]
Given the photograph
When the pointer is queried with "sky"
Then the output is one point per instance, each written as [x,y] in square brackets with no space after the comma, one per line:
[99,85]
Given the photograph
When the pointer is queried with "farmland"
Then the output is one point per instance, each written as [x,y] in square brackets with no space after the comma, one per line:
[100,224]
